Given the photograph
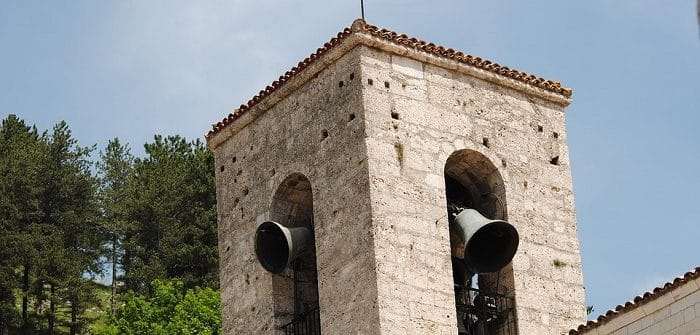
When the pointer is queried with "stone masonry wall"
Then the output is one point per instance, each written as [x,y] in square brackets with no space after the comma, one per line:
[417,115]
[317,131]
[372,132]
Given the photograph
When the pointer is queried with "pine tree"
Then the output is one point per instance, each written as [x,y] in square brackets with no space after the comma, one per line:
[20,152]
[115,169]
[69,210]
[174,211]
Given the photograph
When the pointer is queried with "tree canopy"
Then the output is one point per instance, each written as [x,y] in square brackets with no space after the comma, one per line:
[167,311]
[172,204]
[66,217]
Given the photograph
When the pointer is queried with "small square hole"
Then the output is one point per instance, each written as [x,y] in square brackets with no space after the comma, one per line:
[386,84]
[370,81]
[485,142]
[395,115]
[540,129]
[340,84]
[352,76]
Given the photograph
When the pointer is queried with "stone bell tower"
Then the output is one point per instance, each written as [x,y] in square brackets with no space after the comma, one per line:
[365,144]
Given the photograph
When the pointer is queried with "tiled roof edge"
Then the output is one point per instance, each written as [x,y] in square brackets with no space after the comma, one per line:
[637,301]
[437,50]
[360,26]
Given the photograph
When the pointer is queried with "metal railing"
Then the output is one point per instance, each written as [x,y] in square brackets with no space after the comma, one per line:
[479,313]
[484,313]
[304,324]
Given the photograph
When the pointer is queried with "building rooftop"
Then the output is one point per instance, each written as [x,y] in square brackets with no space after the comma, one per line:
[637,302]
[361,28]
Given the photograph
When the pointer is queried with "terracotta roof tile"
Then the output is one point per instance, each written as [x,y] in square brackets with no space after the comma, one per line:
[360,26]
[637,301]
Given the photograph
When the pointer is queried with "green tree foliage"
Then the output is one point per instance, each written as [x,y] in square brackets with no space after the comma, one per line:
[115,169]
[167,311]
[172,206]
[20,149]
[48,236]
[69,207]
[152,217]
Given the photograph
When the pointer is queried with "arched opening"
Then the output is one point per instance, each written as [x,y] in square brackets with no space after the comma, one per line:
[295,289]
[484,298]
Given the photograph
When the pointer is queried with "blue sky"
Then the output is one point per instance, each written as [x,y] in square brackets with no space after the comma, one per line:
[132,69]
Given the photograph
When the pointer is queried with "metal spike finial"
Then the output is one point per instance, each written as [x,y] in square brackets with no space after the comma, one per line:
[362,8]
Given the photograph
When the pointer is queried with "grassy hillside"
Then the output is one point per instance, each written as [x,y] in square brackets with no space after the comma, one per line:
[99,314]
[93,316]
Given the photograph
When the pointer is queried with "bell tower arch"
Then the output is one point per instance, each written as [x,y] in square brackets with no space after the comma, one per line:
[295,287]
[484,296]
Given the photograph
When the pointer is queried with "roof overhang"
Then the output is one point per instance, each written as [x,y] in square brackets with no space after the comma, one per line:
[361,33]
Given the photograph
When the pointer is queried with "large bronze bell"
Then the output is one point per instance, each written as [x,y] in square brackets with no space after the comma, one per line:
[484,245]
[277,246]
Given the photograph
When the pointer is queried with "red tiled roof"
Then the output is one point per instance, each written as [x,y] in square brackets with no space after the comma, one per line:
[637,301]
[361,27]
